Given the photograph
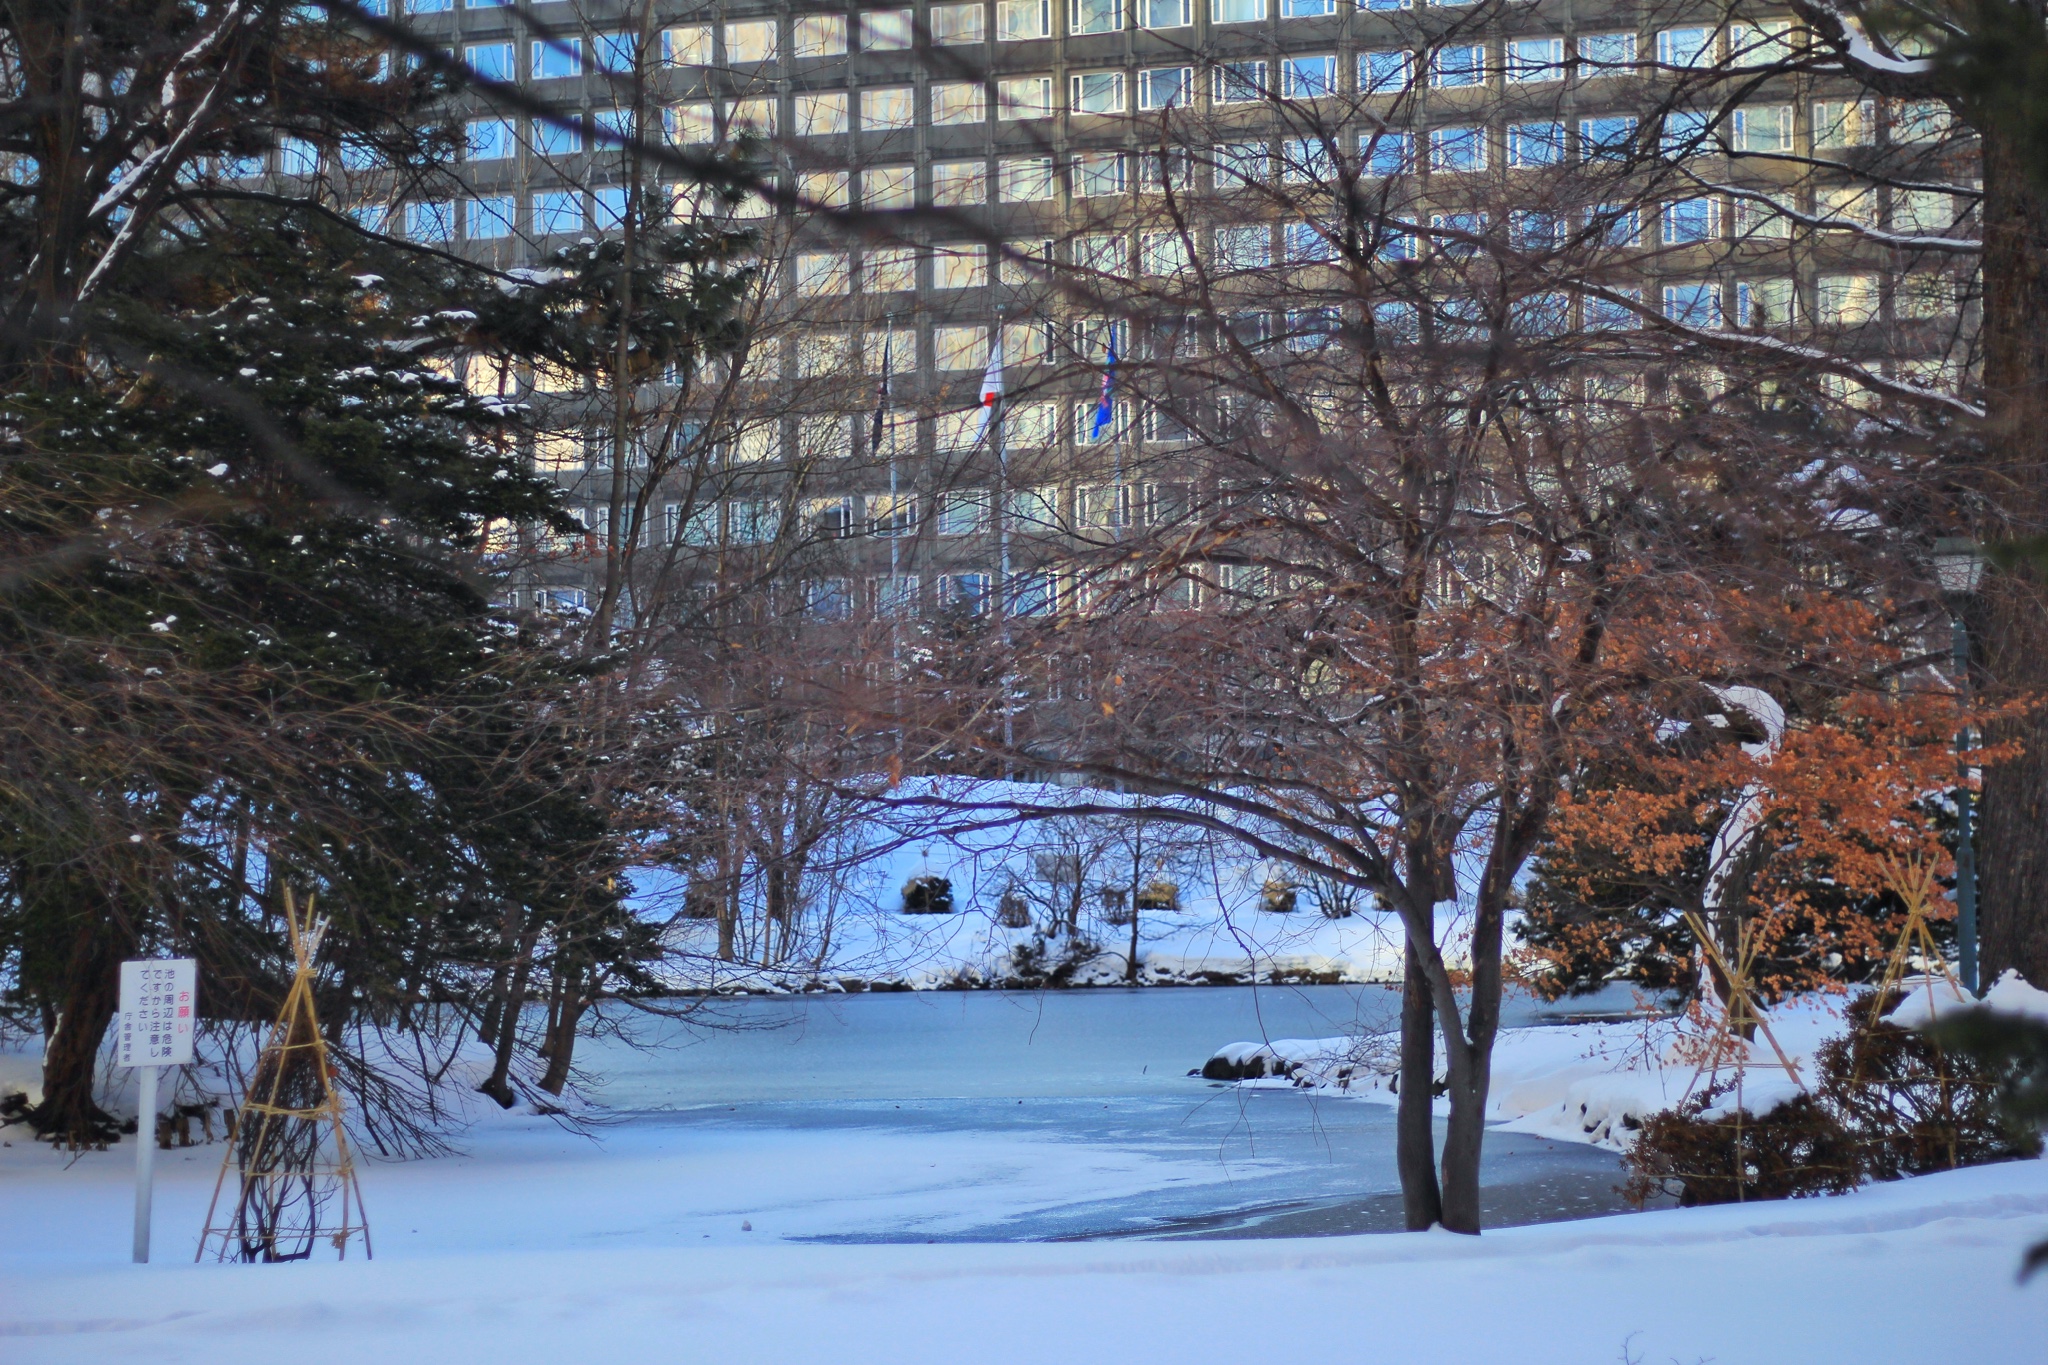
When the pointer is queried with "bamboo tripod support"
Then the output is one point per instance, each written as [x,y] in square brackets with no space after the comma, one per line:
[1912,882]
[290,1145]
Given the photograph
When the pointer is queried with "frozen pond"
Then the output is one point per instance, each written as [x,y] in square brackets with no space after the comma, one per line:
[1097,1068]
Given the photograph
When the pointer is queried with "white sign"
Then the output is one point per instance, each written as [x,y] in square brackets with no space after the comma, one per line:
[159,1005]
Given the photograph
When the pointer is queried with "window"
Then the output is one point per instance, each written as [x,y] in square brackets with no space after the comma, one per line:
[1686,132]
[1764,42]
[756,115]
[296,156]
[819,115]
[818,35]
[1685,47]
[1458,65]
[956,25]
[1098,174]
[688,46]
[1240,82]
[1096,92]
[614,52]
[490,217]
[1618,310]
[1923,211]
[1844,300]
[1540,315]
[898,346]
[1456,236]
[1086,430]
[959,102]
[1756,218]
[1694,303]
[1163,253]
[957,184]
[1236,11]
[1105,253]
[1535,144]
[1025,178]
[1535,59]
[430,220]
[829,517]
[1847,204]
[1244,248]
[557,60]
[1102,506]
[959,348]
[1763,304]
[1165,13]
[1023,97]
[608,207]
[1761,128]
[557,211]
[1167,168]
[886,30]
[1308,77]
[1027,343]
[557,452]
[551,139]
[1166,87]
[617,122]
[1610,137]
[1017,20]
[1307,9]
[689,124]
[1308,161]
[888,187]
[1387,153]
[821,272]
[1844,123]
[895,596]
[1395,323]
[492,61]
[1921,121]
[890,270]
[1922,294]
[1687,222]
[1386,71]
[1617,226]
[1305,243]
[957,431]
[1535,230]
[1606,54]
[888,108]
[488,139]
[1242,163]
[757,443]
[1094,16]
[892,514]
[817,354]
[964,593]
[1457,149]
[829,599]
[963,511]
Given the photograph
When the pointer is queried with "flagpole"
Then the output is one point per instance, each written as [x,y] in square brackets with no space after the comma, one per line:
[1002,514]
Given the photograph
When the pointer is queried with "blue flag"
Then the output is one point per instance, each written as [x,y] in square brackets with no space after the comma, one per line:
[1103,409]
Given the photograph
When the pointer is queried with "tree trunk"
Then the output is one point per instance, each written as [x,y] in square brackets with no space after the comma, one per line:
[91,995]
[2011,617]
[1414,1129]
[499,1084]
[562,1038]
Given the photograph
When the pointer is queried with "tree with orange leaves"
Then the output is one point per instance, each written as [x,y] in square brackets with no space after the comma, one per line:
[1778,812]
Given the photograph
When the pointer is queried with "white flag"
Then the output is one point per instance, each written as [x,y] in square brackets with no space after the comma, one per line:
[992,383]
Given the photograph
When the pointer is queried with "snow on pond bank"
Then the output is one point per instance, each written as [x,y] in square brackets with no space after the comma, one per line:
[1594,1082]
[1896,1273]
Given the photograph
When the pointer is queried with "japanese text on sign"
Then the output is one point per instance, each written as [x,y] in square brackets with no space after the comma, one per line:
[159,1005]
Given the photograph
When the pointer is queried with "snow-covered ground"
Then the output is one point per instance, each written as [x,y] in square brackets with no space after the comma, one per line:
[1223,931]
[577,1259]
[652,1240]
[1595,1082]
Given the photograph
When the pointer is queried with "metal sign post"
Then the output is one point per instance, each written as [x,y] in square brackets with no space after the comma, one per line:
[159,1005]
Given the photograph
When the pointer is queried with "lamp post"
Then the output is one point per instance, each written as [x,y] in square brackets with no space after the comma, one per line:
[1958,568]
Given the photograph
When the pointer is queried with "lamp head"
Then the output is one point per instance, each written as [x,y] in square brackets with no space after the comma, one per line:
[1958,565]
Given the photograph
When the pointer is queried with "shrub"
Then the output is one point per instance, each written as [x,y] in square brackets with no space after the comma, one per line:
[1797,1149]
[1887,1102]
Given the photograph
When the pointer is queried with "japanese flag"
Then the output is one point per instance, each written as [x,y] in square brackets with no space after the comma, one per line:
[992,383]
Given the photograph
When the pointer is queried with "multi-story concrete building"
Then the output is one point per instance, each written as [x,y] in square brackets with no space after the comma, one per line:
[991,134]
